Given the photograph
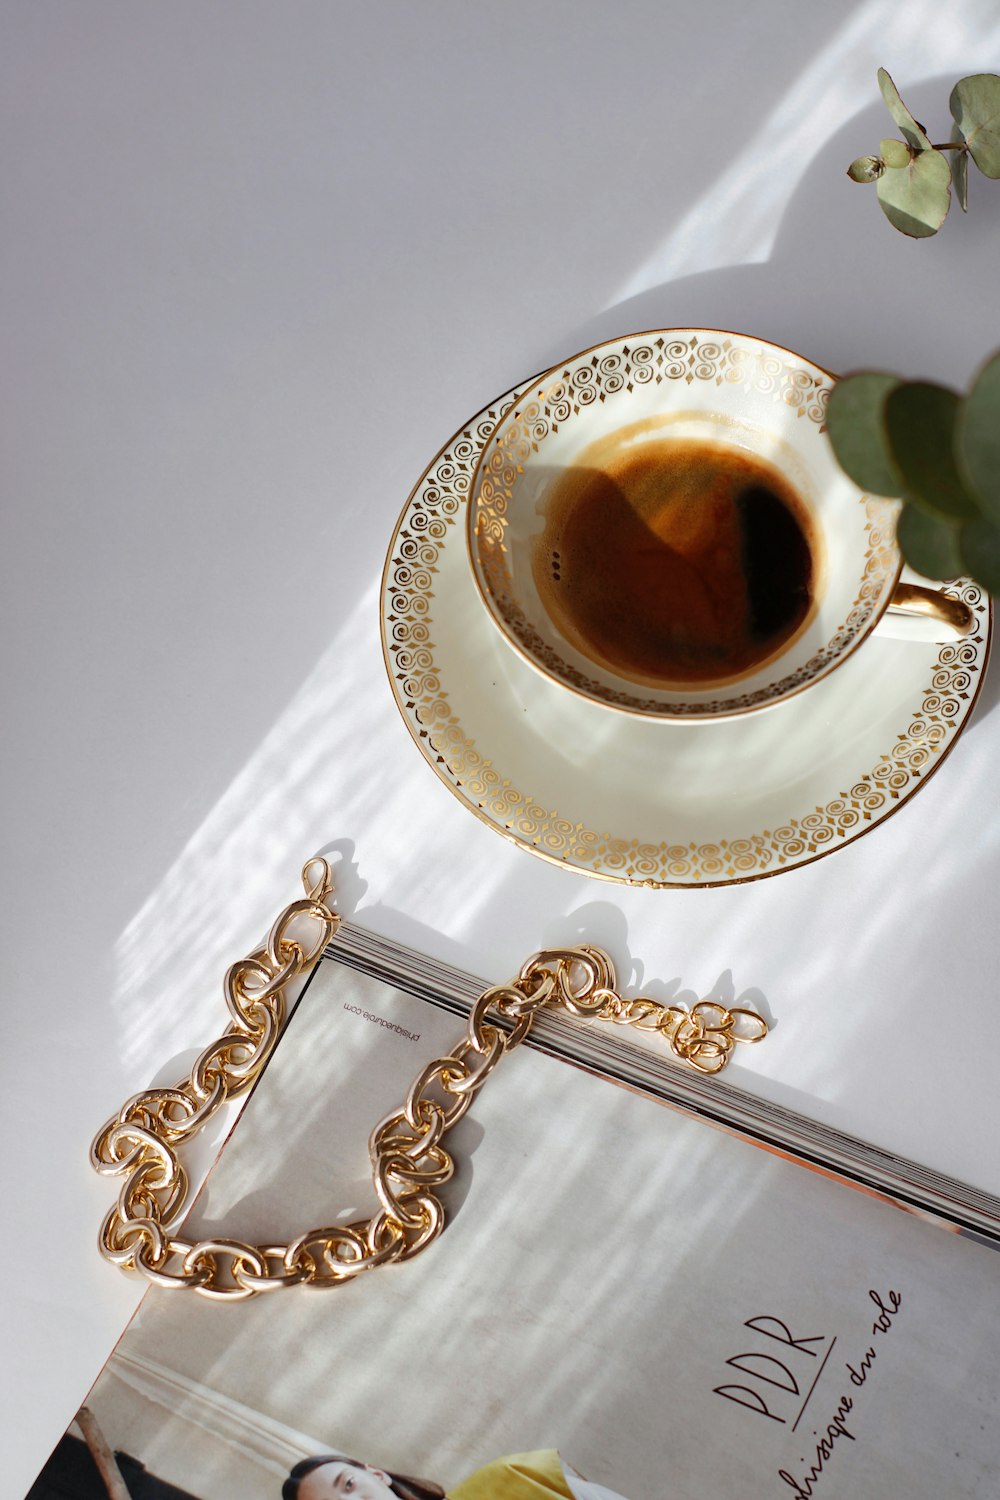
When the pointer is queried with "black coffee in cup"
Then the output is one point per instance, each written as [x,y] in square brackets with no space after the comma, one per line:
[676,561]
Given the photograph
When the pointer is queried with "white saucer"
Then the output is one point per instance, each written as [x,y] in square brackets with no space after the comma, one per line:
[629,799]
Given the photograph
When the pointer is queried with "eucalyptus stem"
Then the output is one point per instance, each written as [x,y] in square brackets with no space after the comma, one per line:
[914,179]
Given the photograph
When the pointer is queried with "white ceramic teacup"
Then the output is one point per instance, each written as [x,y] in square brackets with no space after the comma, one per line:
[657,401]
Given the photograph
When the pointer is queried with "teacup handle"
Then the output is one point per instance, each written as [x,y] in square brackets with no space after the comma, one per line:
[916,612]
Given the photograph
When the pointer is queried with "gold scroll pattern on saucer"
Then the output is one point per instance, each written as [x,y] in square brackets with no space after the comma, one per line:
[434,509]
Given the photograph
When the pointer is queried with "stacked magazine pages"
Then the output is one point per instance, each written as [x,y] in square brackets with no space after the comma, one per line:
[651,1285]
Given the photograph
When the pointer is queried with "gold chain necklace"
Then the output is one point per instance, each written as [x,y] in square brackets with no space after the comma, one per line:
[408,1159]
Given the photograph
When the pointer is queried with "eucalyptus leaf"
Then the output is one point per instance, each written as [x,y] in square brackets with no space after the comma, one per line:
[978,445]
[866,169]
[915,198]
[912,132]
[857,432]
[979,549]
[894,153]
[960,171]
[975,105]
[930,545]
[920,423]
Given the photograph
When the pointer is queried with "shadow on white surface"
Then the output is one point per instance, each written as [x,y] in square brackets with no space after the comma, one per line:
[313,769]
[741,211]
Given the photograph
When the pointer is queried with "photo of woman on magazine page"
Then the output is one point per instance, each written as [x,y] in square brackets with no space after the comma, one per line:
[523,1476]
[91,1467]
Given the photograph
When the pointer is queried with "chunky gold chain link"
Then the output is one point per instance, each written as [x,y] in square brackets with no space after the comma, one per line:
[407,1156]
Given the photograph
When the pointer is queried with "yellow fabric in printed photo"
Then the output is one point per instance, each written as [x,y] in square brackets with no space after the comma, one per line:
[523,1476]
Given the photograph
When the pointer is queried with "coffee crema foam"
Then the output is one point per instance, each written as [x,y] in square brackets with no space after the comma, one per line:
[676,561]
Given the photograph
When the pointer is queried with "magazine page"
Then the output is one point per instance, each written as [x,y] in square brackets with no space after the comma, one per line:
[642,1059]
[624,1302]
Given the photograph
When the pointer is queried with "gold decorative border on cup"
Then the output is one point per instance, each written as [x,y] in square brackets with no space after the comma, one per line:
[565,393]
[424,527]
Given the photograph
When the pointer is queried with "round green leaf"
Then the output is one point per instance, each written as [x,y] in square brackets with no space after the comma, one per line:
[912,132]
[866,169]
[979,549]
[857,432]
[960,172]
[930,545]
[894,153]
[915,198]
[920,423]
[978,438]
[975,105]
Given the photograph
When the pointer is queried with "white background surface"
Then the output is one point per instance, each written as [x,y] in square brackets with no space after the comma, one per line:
[259,262]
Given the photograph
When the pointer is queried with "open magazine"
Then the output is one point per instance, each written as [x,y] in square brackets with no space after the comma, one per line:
[626,1304]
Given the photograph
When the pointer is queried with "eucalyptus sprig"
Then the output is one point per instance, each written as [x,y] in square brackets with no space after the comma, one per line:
[939,452]
[913,178]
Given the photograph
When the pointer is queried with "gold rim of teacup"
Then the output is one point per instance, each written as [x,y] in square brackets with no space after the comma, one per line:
[684,711]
